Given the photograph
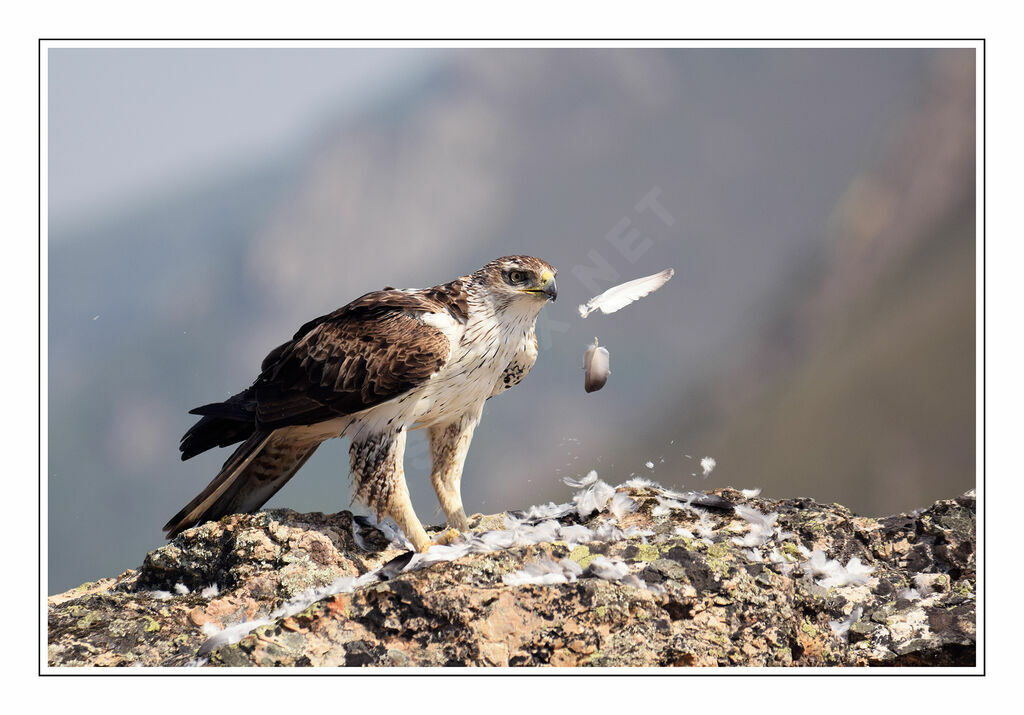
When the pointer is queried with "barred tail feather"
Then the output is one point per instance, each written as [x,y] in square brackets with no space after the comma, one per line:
[259,467]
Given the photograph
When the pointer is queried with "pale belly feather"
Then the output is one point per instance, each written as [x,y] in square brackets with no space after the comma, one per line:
[462,386]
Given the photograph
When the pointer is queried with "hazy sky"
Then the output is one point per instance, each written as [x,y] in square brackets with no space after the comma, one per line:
[133,112]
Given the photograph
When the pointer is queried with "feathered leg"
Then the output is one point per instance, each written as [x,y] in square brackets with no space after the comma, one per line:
[449,444]
[378,478]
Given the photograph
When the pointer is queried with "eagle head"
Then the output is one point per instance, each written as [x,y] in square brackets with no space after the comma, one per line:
[519,282]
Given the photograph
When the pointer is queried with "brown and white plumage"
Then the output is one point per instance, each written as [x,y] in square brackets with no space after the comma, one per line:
[386,363]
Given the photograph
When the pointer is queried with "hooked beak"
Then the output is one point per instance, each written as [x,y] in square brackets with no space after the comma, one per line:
[551,289]
[546,286]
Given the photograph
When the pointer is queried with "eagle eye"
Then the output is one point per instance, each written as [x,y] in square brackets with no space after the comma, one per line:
[516,276]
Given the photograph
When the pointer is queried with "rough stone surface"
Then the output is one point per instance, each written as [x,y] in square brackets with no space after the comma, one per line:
[700,600]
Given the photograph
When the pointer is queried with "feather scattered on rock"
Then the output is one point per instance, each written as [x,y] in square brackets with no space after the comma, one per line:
[854,573]
[640,483]
[596,367]
[231,634]
[923,584]
[840,628]
[618,297]
[545,531]
[608,569]
[709,501]
[543,512]
[622,504]
[357,534]
[395,566]
[395,537]
[210,629]
[665,506]
[575,534]
[609,531]
[534,526]
[635,531]
[544,572]
[762,526]
[705,528]
[593,497]
[614,570]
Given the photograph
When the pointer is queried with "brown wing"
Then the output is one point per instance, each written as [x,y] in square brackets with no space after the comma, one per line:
[368,352]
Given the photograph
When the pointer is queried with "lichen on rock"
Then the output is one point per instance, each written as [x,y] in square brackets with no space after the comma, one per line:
[656,585]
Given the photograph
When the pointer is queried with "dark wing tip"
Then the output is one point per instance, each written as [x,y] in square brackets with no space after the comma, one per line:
[212,408]
[712,501]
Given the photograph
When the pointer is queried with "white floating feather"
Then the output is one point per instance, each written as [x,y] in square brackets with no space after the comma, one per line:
[618,297]
[586,481]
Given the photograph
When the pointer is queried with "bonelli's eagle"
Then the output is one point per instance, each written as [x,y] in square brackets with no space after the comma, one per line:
[388,362]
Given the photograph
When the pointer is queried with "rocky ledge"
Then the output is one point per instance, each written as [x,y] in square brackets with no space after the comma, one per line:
[634,575]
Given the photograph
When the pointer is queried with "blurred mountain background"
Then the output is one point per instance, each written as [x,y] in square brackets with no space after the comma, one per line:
[818,338]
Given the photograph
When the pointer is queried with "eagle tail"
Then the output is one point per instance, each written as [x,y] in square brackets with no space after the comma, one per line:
[257,469]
